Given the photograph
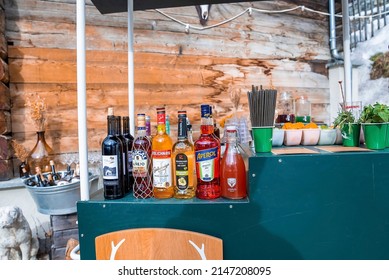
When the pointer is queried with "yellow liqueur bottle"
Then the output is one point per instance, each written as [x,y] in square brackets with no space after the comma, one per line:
[162,159]
[183,162]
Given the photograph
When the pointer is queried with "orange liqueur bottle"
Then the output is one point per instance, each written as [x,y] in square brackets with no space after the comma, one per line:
[207,152]
[183,162]
[141,161]
[162,159]
[232,167]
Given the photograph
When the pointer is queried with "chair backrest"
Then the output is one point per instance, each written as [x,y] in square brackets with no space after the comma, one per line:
[157,244]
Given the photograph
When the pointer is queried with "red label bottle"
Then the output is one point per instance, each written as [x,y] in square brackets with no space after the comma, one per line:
[207,152]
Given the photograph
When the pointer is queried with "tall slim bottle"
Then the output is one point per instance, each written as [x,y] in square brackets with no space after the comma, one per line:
[232,168]
[129,141]
[183,162]
[118,132]
[112,157]
[207,151]
[141,161]
[162,159]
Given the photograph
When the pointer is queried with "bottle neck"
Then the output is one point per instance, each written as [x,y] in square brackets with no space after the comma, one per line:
[118,125]
[126,125]
[161,123]
[111,125]
[206,125]
[182,128]
[141,131]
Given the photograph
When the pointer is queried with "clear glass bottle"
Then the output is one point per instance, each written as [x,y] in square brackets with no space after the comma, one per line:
[141,161]
[162,146]
[303,110]
[233,180]
[207,152]
[40,154]
[285,108]
[183,162]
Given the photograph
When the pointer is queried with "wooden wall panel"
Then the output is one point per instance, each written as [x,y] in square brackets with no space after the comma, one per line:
[172,68]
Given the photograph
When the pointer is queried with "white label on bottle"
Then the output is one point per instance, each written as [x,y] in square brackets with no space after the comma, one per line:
[110,167]
[162,169]
[139,163]
[130,162]
[231,182]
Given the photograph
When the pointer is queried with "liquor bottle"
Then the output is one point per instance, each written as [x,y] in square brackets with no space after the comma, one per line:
[56,176]
[50,180]
[162,159]
[39,178]
[24,173]
[129,141]
[76,174]
[183,156]
[112,157]
[216,130]
[125,152]
[232,168]
[167,125]
[207,152]
[189,131]
[190,139]
[141,161]
[148,127]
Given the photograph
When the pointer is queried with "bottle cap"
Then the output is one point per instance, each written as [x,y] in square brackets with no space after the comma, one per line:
[110,111]
[205,111]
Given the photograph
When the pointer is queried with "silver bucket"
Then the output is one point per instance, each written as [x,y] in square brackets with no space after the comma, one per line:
[59,200]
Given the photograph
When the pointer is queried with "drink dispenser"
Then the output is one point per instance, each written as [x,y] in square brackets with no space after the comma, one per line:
[303,110]
[285,108]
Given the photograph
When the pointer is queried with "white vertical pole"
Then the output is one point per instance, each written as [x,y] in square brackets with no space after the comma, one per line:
[131,92]
[347,52]
[81,101]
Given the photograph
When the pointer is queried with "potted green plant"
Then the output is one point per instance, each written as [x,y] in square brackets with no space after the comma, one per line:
[349,127]
[374,120]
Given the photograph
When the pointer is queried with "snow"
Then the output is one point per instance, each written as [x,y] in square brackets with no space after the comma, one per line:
[371,91]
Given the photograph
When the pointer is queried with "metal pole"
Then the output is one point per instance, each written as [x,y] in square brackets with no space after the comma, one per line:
[131,92]
[81,101]
[347,51]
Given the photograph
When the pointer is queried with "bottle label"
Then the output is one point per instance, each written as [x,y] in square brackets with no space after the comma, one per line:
[129,162]
[231,182]
[110,167]
[162,174]
[206,161]
[139,163]
[182,172]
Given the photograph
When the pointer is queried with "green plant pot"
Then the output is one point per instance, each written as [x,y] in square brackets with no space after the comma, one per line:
[351,135]
[263,139]
[375,135]
[387,136]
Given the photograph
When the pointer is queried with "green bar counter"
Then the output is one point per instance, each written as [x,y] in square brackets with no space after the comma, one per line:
[324,206]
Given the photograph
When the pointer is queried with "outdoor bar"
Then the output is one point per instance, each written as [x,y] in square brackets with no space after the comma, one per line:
[310,205]
[192,129]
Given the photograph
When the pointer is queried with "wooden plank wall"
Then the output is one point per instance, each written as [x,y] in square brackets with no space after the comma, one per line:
[173,68]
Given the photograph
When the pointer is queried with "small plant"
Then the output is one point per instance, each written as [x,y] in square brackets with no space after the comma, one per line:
[344,116]
[377,113]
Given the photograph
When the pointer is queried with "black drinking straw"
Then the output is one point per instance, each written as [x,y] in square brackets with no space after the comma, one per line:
[262,105]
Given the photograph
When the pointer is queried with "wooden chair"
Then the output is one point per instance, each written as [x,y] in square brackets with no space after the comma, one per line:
[158,244]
